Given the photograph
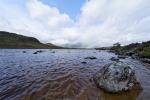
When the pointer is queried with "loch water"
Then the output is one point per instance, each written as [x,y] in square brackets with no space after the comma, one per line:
[62,74]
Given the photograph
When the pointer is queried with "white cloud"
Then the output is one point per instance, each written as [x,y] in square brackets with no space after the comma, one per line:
[105,22]
[100,23]
[37,8]
[55,19]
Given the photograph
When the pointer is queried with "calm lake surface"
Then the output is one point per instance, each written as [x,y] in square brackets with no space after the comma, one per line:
[61,75]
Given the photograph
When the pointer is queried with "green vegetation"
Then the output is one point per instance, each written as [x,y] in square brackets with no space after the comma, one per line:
[12,40]
[145,53]
[139,49]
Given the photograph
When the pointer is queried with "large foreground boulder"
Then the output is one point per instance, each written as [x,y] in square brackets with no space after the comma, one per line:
[117,77]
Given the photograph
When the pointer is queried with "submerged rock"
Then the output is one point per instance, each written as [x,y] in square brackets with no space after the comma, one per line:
[35,53]
[114,59]
[117,77]
[92,58]
[39,51]
[24,51]
[53,52]
[83,62]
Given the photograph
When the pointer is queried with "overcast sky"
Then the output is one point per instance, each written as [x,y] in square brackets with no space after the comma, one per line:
[84,23]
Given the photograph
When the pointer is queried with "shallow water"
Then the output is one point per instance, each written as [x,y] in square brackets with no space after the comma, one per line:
[61,75]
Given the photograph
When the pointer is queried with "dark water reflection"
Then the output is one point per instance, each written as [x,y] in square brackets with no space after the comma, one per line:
[60,75]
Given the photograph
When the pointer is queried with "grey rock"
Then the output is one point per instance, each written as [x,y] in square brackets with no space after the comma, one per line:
[121,56]
[114,59]
[134,57]
[92,58]
[130,53]
[117,77]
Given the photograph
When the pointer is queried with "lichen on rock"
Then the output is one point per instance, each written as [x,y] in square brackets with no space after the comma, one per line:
[117,77]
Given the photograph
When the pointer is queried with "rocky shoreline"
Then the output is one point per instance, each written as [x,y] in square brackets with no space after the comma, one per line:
[132,55]
[145,60]
[139,51]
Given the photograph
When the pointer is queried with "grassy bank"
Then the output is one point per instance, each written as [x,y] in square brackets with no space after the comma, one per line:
[141,50]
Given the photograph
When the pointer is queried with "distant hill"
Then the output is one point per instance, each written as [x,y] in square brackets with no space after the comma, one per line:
[12,40]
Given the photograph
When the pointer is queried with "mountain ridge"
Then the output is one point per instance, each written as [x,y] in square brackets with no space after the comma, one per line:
[14,40]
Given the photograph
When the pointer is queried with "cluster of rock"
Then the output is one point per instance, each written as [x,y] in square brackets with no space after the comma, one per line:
[39,51]
[146,60]
[117,77]
[134,55]
[117,59]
